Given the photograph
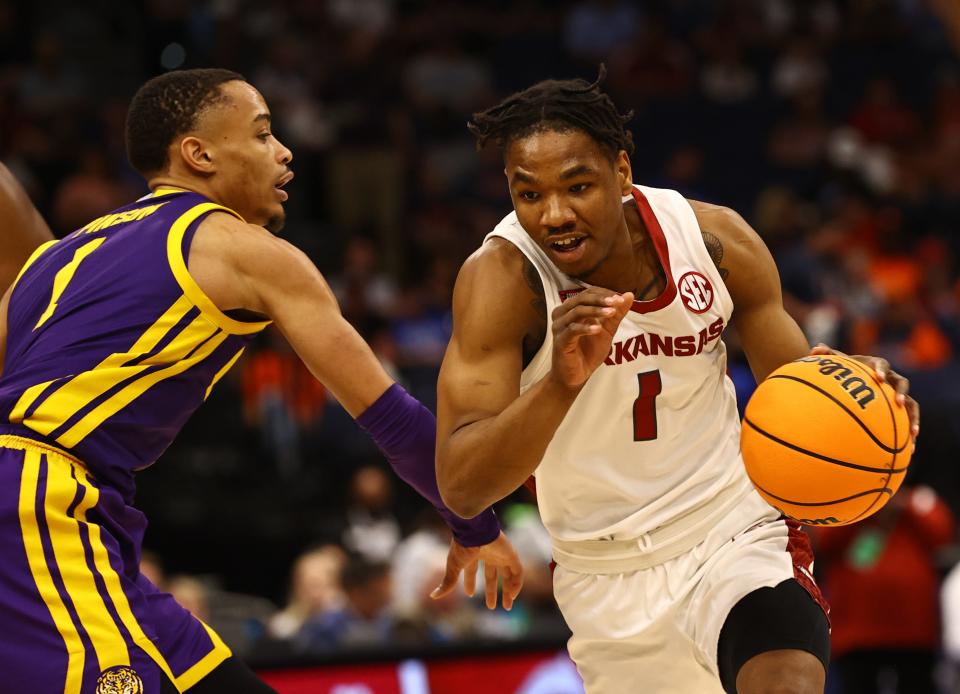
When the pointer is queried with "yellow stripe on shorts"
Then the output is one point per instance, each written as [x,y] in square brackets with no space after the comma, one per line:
[108,643]
[41,573]
[101,560]
[205,665]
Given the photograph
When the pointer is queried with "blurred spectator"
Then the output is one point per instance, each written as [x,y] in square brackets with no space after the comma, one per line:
[881,580]
[364,620]
[372,529]
[51,85]
[425,620]
[314,591]
[882,117]
[412,559]
[535,606]
[151,566]
[653,65]
[92,190]
[727,78]
[192,594]
[950,602]
[280,398]
[373,16]
[594,28]
[364,291]
[800,68]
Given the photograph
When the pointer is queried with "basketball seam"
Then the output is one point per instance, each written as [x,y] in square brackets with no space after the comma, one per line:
[864,468]
[884,490]
[893,420]
[886,449]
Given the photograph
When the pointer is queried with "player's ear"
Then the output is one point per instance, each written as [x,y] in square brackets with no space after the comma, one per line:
[196,156]
[624,173]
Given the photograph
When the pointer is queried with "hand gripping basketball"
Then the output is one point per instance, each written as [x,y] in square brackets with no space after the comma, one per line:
[885,374]
[824,440]
[583,330]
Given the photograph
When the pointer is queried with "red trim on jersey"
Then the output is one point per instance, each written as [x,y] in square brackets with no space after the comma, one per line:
[663,253]
[798,545]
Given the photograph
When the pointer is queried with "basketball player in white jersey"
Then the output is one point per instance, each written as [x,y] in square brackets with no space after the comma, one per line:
[587,349]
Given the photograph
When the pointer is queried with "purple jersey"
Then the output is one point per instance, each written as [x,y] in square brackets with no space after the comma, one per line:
[111,344]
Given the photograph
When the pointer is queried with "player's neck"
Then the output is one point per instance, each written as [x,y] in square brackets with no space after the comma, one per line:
[171,180]
[632,265]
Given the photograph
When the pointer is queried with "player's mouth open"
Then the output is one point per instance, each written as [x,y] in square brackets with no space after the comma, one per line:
[281,193]
[568,247]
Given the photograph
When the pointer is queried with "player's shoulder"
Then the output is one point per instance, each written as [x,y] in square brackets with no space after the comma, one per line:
[235,235]
[246,247]
[497,258]
[718,216]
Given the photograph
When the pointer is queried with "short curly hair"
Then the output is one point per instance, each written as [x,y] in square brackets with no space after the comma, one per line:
[167,106]
[556,105]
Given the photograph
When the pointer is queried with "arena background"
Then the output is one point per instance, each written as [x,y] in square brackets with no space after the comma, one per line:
[833,126]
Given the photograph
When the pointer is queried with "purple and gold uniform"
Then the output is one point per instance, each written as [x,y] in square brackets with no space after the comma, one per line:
[111,346]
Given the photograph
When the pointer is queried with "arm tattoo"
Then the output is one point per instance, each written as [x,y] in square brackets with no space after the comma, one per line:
[715,249]
[532,278]
[533,340]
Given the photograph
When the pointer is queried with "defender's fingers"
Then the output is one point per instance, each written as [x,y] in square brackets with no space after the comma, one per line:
[450,577]
[512,583]
[470,578]
[490,585]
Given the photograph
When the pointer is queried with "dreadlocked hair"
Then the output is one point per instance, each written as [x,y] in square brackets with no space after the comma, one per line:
[560,105]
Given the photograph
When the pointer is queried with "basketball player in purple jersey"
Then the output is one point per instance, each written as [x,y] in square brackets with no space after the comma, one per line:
[23,227]
[110,339]
[586,342]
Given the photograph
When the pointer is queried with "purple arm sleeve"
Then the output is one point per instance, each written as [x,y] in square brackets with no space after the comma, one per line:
[406,433]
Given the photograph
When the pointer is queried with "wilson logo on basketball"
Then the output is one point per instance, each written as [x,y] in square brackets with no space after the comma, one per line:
[696,292]
[857,387]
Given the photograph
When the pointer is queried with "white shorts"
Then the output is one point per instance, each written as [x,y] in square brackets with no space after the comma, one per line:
[657,629]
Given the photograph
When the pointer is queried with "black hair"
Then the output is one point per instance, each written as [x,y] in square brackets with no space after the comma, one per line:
[166,106]
[560,105]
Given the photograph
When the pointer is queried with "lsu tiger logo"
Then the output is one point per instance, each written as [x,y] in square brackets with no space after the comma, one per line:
[119,680]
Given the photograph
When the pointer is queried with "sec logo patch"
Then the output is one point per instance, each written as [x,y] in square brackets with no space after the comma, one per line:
[696,292]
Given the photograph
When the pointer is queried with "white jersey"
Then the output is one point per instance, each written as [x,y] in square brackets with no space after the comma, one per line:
[655,431]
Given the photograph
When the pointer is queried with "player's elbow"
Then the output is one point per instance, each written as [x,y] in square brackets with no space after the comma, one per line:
[462,504]
[457,491]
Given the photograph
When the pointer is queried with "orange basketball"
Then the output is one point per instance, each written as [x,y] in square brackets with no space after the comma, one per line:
[824,442]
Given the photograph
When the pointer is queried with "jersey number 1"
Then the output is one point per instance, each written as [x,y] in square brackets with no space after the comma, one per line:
[64,275]
[645,406]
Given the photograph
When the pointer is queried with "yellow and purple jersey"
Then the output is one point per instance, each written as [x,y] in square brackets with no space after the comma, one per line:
[111,344]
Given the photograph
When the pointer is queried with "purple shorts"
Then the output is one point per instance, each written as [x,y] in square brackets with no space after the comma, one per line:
[76,615]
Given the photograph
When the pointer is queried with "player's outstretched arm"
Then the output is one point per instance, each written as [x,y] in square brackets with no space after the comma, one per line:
[490,438]
[242,266]
[23,229]
[769,335]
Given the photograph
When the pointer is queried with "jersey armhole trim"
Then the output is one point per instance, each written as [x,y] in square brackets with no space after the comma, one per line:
[709,267]
[31,260]
[189,285]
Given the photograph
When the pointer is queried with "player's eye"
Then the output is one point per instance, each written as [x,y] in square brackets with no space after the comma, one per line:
[264,136]
[528,195]
[579,187]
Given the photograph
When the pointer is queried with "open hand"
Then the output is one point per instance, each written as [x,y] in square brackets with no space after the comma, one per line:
[500,563]
[583,330]
[885,374]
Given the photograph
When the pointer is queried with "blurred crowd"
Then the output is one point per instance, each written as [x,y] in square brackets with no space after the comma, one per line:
[832,126]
